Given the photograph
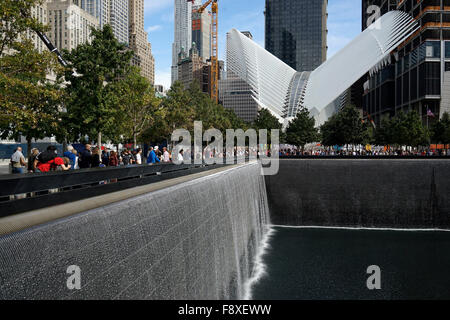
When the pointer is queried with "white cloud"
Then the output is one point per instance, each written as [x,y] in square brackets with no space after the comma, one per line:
[163,77]
[154,28]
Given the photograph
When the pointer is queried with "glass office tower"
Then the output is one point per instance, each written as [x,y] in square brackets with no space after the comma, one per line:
[418,77]
[296,32]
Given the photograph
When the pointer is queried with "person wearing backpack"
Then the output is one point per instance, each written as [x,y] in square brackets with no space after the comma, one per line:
[42,160]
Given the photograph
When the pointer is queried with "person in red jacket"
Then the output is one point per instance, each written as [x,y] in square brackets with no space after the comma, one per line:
[53,164]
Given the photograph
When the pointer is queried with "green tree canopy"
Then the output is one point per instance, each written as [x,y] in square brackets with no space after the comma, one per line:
[441,130]
[266,120]
[15,20]
[93,104]
[345,127]
[138,104]
[301,130]
[29,101]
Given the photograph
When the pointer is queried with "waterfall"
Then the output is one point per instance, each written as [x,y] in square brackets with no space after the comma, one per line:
[196,240]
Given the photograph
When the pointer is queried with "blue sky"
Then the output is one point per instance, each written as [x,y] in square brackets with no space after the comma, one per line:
[344,23]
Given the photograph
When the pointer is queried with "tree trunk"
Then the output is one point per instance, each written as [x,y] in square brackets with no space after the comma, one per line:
[99,142]
[64,147]
[29,147]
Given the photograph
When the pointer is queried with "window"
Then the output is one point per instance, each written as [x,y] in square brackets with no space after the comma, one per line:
[433,49]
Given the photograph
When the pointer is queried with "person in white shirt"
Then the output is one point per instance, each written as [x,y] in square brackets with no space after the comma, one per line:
[139,156]
[166,155]
[18,161]
[180,157]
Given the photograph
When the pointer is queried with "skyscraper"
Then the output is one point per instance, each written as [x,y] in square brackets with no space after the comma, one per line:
[418,75]
[39,12]
[182,31]
[139,40]
[296,32]
[70,24]
[201,32]
[235,93]
[91,6]
[118,19]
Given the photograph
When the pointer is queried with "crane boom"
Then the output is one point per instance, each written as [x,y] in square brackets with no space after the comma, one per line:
[204,6]
[48,43]
[51,47]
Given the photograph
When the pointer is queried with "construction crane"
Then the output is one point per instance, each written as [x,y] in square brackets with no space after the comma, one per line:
[214,47]
[51,47]
[47,43]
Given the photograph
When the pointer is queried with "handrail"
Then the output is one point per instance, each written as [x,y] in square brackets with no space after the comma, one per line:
[24,192]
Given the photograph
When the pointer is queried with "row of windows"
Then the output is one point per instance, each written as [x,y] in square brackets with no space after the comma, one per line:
[421,81]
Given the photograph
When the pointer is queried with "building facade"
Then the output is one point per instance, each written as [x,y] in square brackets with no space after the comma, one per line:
[201,32]
[279,88]
[91,6]
[418,77]
[235,93]
[38,12]
[138,41]
[105,9]
[118,19]
[70,25]
[296,32]
[182,31]
[191,67]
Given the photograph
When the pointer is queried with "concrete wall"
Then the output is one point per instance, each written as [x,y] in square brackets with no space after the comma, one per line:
[366,193]
[193,240]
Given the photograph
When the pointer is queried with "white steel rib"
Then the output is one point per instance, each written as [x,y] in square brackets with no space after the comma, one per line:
[282,90]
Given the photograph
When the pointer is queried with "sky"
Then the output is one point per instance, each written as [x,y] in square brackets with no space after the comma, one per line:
[344,23]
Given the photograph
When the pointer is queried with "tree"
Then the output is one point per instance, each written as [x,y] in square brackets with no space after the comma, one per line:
[266,120]
[441,130]
[93,105]
[301,130]
[384,134]
[179,109]
[15,20]
[330,133]
[345,127]
[29,101]
[354,130]
[138,103]
[418,135]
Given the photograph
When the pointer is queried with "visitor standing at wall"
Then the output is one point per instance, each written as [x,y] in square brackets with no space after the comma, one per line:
[152,158]
[166,155]
[71,156]
[31,160]
[95,159]
[85,157]
[139,156]
[113,159]
[18,161]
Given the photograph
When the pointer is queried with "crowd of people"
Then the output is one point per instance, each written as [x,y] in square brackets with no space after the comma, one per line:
[381,152]
[89,157]
[95,157]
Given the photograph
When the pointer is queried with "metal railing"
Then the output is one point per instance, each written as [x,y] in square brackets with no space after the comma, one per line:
[31,191]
